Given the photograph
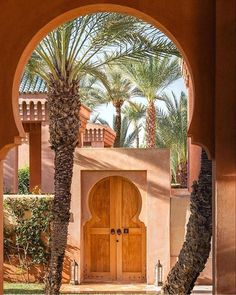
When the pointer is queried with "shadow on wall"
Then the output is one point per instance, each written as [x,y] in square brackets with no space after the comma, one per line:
[155,188]
[72,253]
[16,274]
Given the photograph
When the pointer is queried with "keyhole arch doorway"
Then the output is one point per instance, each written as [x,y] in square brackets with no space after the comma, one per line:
[114,236]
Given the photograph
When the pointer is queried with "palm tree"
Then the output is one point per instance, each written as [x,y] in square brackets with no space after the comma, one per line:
[117,91]
[62,58]
[197,245]
[172,133]
[135,112]
[151,76]
[127,138]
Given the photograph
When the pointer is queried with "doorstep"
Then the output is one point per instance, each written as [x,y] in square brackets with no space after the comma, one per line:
[110,289]
[124,289]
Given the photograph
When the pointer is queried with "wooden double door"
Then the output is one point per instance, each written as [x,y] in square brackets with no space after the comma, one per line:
[114,237]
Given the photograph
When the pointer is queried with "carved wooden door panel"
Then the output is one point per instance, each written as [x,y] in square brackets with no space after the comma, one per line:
[131,249]
[100,252]
[115,239]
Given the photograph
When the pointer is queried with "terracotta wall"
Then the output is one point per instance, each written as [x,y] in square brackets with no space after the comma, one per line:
[225,151]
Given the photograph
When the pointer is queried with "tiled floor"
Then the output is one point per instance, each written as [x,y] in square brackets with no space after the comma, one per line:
[121,288]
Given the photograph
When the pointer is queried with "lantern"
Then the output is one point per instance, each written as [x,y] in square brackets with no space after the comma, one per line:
[158,274]
[74,273]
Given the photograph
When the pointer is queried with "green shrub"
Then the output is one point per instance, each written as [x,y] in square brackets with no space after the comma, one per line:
[23,181]
[27,232]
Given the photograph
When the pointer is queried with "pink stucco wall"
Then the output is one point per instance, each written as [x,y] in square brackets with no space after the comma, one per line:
[47,167]
[149,170]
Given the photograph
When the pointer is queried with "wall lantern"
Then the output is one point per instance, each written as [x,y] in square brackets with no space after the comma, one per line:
[158,274]
[74,273]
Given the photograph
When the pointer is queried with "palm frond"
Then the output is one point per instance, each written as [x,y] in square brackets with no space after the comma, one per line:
[172,129]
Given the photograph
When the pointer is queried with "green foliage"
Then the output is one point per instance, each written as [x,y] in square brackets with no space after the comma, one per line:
[126,138]
[23,181]
[135,113]
[172,133]
[152,75]
[27,237]
[80,46]
[117,90]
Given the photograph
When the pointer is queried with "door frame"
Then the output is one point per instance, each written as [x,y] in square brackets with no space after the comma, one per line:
[116,269]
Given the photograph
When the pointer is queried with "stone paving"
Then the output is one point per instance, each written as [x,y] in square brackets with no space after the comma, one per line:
[123,288]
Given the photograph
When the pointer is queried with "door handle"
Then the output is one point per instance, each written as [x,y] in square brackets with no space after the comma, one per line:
[113,231]
[119,232]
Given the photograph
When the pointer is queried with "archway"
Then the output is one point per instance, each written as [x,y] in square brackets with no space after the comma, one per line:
[197,136]
[57,18]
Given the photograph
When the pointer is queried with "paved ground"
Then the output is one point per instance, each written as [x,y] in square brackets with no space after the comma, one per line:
[121,288]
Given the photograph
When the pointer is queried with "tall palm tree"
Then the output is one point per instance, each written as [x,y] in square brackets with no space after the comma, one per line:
[197,245]
[172,133]
[127,137]
[151,76]
[117,91]
[62,58]
[135,112]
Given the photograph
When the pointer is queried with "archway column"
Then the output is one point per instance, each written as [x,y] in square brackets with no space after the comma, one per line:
[225,149]
[35,147]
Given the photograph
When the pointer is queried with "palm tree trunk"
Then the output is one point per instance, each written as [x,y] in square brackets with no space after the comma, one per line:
[61,213]
[137,140]
[117,124]
[151,125]
[197,245]
[63,106]
[137,134]
[182,175]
